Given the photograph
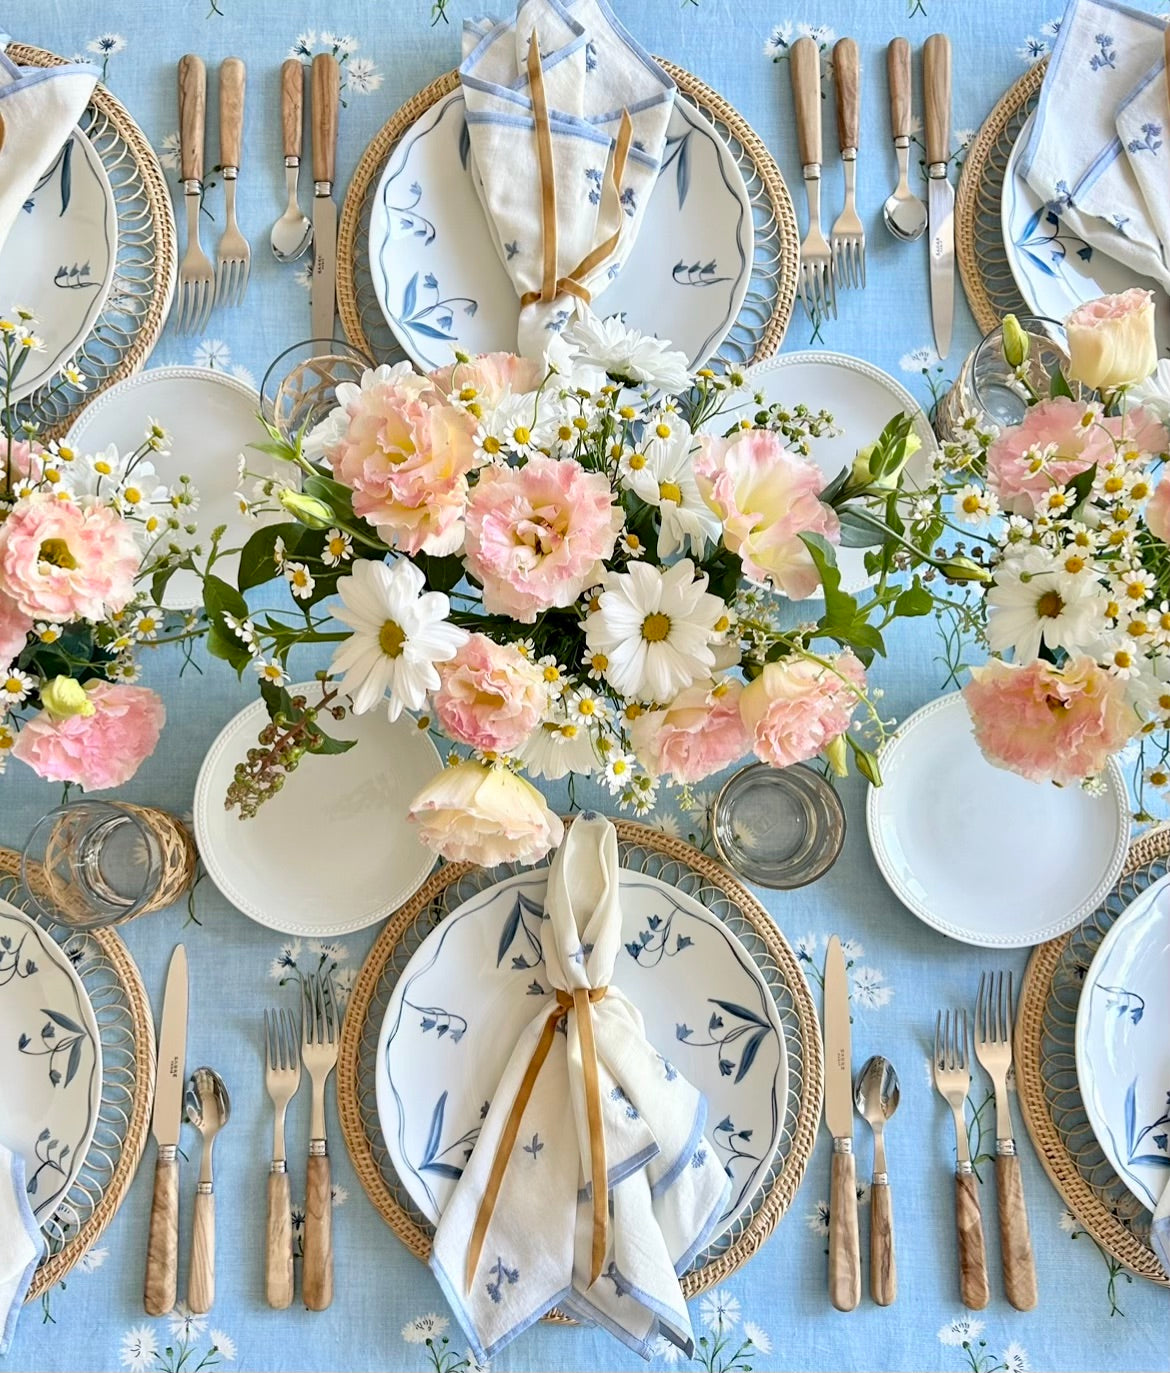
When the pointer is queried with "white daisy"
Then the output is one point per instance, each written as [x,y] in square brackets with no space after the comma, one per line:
[15,686]
[557,747]
[655,627]
[139,1348]
[1015,1358]
[632,546]
[338,548]
[975,505]
[400,632]
[627,355]
[515,422]
[224,1344]
[719,1310]
[619,769]
[300,580]
[147,624]
[424,1328]
[760,1339]
[586,708]
[270,672]
[1122,658]
[47,633]
[962,1330]
[666,480]
[1033,602]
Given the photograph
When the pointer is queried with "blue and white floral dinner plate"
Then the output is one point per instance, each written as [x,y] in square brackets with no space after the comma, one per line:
[50,1060]
[441,285]
[476,981]
[1123,1044]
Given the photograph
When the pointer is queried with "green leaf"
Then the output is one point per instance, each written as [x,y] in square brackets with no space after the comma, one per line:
[860,529]
[278,701]
[222,643]
[1081,485]
[335,494]
[257,563]
[277,448]
[890,450]
[840,608]
[325,743]
[159,583]
[442,574]
[867,763]
[836,486]
[220,599]
[915,600]
[1057,385]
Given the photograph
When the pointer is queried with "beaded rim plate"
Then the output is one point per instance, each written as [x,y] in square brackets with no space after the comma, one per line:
[644,850]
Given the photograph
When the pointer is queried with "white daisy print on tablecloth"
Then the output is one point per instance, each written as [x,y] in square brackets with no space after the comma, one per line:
[139,1348]
[359,75]
[719,1308]
[424,1328]
[213,353]
[168,150]
[103,47]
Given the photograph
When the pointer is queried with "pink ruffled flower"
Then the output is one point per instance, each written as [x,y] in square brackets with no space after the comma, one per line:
[1157,512]
[490,376]
[60,562]
[23,463]
[538,534]
[1049,724]
[491,696]
[1138,430]
[1111,340]
[796,707]
[767,497]
[1071,427]
[95,751]
[477,813]
[14,628]
[699,733]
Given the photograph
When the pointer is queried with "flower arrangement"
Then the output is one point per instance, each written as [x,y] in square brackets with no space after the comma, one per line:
[79,536]
[574,567]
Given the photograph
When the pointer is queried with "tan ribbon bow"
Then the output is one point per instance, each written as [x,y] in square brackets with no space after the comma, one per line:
[581,1000]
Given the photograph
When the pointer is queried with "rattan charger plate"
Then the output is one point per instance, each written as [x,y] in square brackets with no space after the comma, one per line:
[1046,1072]
[644,850]
[145,263]
[987,278]
[120,1005]
[759,328]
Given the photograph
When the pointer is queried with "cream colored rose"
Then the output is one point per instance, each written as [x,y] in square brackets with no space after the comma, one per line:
[478,813]
[1111,340]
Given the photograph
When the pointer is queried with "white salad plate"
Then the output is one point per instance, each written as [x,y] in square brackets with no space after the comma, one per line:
[1123,1044]
[50,1060]
[478,979]
[211,419]
[441,284]
[333,851]
[1055,270]
[980,853]
[58,259]
[862,400]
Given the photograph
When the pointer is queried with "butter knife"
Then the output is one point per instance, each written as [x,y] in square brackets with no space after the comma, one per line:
[326,95]
[936,73]
[844,1244]
[162,1245]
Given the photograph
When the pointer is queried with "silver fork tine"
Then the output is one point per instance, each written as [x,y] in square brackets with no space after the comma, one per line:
[332,1006]
[291,1038]
[308,1018]
[268,1046]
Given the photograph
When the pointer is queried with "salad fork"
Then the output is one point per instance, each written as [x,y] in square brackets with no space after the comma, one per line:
[952,1078]
[233,261]
[993,1048]
[196,276]
[816,261]
[282,1077]
[847,236]
[319,1043]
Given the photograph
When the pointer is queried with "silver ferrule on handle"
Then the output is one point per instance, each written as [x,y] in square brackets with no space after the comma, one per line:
[323,189]
[230,173]
[937,171]
[293,163]
[902,143]
[168,1153]
[193,186]
[844,1145]
[964,1168]
[811,171]
[278,1165]
[880,1180]
[1005,1148]
[848,154]
[205,1189]
[318,1148]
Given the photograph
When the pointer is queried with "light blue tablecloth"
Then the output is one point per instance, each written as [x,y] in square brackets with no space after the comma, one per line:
[1091,1316]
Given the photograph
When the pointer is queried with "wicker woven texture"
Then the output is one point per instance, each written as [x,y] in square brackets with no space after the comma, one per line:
[644,850]
[1046,1072]
[146,260]
[758,330]
[114,986]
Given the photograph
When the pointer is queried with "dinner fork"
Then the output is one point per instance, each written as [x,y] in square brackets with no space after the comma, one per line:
[233,261]
[952,1078]
[196,277]
[319,1042]
[847,236]
[816,262]
[993,1048]
[282,1077]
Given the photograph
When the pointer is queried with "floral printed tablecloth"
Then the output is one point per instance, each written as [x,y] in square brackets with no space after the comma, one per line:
[774,1314]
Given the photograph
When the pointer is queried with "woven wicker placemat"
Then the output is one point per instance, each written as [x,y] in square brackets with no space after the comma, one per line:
[120,1005]
[671,861]
[987,278]
[763,317]
[1046,1072]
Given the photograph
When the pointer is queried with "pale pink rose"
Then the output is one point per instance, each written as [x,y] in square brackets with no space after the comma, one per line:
[699,733]
[767,497]
[60,562]
[538,534]
[491,697]
[95,751]
[1157,512]
[796,707]
[14,628]
[405,454]
[1080,440]
[479,813]
[1111,341]
[1049,724]
[491,376]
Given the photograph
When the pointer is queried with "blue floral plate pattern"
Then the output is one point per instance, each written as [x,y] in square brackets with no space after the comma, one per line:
[478,979]
[1123,1044]
[50,1059]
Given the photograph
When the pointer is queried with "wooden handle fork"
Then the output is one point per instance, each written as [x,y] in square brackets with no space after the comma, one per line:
[1019,1267]
[973,1286]
[317,1275]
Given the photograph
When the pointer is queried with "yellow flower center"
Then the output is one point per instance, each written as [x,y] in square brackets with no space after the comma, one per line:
[1113,485]
[391,638]
[467,393]
[620,767]
[637,461]
[56,553]
[655,627]
[633,710]
[580,422]
[492,445]
[1074,563]
[132,494]
[14,686]
[721,625]
[662,430]
[1050,605]
[633,543]
[670,491]
[1158,778]
[1139,491]
[522,434]
[569,731]
[1136,629]
[147,625]
[565,432]
[587,707]
[599,662]
[1135,591]
[102,467]
[1123,659]
[627,412]
[971,504]
[552,673]
[336,547]
[1112,610]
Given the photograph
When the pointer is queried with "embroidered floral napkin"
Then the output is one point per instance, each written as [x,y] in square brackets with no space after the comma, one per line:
[20,1243]
[521,1232]
[1103,63]
[566,142]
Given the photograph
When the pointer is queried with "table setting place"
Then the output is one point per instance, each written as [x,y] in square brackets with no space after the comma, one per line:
[651,715]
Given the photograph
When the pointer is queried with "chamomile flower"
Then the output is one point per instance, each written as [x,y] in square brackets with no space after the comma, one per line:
[1136,584]
[46,632]
[1122,658]
[338,548]
[515,422]
[1158,776]
[147,624]
[15,687]
[975,505]
[587,708]
[619,771]
[597,663]
[278,551]
[272,673]
[632,546]
[300,580]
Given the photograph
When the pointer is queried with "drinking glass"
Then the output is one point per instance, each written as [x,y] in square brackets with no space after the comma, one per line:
[989,390]
[778,827]
[300,387]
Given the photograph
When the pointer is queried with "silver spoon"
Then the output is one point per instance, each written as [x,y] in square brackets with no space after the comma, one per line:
[208,1108]
[292,233]
[876,1096]
[903,212]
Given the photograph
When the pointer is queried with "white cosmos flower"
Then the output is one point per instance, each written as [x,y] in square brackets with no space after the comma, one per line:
[627,355]
[1034,602]
[139,1348]
[557,747]
[666,479]
[655,627]
[400,631]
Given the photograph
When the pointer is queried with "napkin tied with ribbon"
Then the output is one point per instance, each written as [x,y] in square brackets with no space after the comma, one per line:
[21,1243]
[591,1185]
[566,121]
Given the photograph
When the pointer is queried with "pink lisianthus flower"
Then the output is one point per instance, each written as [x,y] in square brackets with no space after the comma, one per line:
[488,378]
[1139,430]
[479,813]
[97,750]
[538,534]
[1074,429]
[14,628]
[60,562]
[491,696]
[1157,512]
[1046,723]
[20,459]
[699,733]
[767,497]
[796,707]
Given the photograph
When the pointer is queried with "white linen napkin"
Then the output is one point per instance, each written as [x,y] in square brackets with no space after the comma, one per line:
[1075,159]
[1143,130]
[521,1232]
[563,214]
[39,106]
[20,1243]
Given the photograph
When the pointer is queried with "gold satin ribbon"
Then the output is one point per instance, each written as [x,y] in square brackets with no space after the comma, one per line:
[552,285]
[582,1001]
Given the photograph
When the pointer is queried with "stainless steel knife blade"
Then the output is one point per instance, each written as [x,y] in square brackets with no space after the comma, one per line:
[170,1077]
[325,86]
[936,74]
[838,1066]
[324,266]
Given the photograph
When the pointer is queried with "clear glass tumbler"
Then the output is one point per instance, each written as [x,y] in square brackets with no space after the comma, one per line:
[778,827]
[300,387]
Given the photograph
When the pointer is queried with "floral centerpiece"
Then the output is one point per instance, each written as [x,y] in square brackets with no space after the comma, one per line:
[581,566]
[81,535]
